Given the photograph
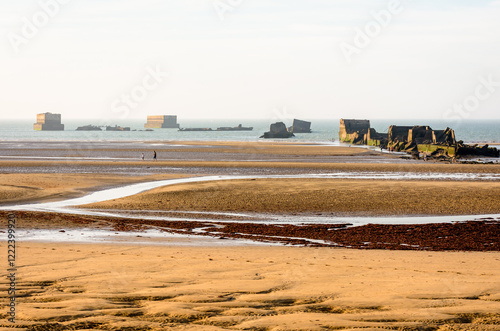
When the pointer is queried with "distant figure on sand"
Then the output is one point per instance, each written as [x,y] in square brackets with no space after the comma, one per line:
[154,155]
[142,156]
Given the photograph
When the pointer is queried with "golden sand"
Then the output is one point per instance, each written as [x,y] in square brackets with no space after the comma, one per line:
[337,196]
[253,288]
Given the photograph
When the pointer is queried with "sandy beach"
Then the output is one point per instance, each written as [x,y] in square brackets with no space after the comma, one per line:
[22,188]
[110,287]
[448,281]
[230,165]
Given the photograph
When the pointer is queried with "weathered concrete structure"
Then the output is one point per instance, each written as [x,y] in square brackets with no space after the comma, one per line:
[162,122]
[117,128]
[358,132]
[235,128]
[422,139]
[48,122]
[399,133]
[374,138]
[89,127]
[353,131]
[443,136]
[410,139]
[300,126]
[480,151]
[195,129]
[277,130]
[420,134]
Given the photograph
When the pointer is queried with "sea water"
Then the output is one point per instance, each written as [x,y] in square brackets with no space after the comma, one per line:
[323,130]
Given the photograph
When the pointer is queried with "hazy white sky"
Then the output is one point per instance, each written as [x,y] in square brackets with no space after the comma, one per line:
[250,58]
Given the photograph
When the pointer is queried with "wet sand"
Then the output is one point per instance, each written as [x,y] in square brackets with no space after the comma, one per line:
[331,196]
[193,158]
[24,188]
[110,287]
[131,287]
[245,167]
[475,234]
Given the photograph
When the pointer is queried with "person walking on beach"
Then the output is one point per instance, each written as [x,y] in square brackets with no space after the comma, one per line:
[142,156]
[154,155]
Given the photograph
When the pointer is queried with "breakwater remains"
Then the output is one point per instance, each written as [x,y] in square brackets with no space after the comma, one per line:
[411,139]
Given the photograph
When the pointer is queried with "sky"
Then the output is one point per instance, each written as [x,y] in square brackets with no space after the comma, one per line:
[257,59]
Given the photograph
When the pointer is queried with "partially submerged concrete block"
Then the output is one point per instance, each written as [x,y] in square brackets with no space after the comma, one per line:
[411,139]
[48,122]
[300,126]
[446,136]
[432,149]
[353,131]
[374,138]
[162,122]
[277,130]
[399,133]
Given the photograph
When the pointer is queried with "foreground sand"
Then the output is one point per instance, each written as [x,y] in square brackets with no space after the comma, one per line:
[115,287]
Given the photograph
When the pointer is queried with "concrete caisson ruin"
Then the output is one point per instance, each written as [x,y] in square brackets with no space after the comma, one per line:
[300,126]
[117,128]
[374,138]
[48,122]
[411,139]
[89,127]
[162,122]
[359,132]
[422,139]
[277,130]
[353,131]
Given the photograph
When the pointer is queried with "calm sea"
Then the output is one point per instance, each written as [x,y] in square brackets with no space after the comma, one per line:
[325,130]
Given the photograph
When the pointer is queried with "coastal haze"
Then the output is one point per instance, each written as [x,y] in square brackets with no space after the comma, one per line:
[250,59]
[175,184]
